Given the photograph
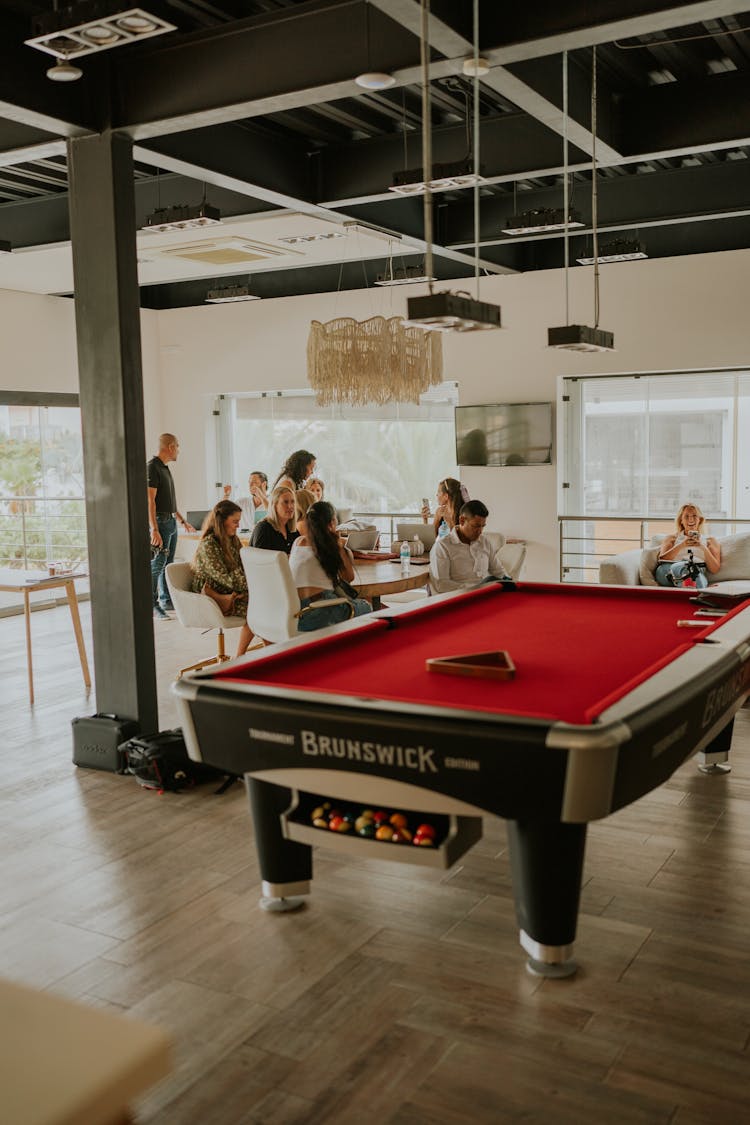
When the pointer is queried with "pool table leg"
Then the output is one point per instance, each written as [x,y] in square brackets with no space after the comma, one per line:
[547,865]
[285,866]
[714,758]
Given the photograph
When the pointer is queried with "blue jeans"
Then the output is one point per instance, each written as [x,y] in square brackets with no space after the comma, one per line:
[167,526]
[329,614]
[672,574]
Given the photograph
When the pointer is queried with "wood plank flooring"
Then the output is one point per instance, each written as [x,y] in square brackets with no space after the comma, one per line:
[399,995]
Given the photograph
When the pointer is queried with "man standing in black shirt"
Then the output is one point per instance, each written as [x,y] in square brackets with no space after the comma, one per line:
[162,521]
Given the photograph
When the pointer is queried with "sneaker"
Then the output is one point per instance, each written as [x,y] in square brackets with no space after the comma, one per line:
[161,614]
[168,607]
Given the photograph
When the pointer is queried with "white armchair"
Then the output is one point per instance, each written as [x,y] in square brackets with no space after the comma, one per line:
[198,611]
[274,609]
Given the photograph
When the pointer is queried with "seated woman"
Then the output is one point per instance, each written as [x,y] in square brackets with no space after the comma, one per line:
[217,569]
[689,539]
[451,496]
[296,469]
[277,531]
[319,560]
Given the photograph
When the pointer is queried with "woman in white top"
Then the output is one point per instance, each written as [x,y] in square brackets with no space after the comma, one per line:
[319,561]
[689,539]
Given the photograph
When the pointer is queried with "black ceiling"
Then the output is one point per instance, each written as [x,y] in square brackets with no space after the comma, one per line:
[255,99]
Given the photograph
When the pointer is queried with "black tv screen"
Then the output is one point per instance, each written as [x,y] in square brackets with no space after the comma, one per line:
[510,433]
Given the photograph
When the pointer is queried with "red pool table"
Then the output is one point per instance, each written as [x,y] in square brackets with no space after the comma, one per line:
[612,692]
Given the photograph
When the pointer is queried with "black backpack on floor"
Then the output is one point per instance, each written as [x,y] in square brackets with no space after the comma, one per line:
[160,761]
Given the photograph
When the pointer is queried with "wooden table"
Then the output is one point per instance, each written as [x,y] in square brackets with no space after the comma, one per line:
[62,1063]
[373,580]
[28,582]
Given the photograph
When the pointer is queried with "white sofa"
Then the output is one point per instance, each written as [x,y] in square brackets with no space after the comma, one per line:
[636,567]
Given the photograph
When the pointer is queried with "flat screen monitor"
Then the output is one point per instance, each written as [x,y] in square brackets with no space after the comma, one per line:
[198,518]
[510,433]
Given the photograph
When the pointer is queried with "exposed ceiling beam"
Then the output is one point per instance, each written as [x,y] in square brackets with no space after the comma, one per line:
[684,195]
[235,74]
[27,153]
[167,156]
[510,86]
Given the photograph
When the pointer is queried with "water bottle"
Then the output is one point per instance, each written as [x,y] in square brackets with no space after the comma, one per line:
[405,556]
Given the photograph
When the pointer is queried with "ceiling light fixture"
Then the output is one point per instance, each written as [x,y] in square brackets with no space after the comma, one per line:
[375,80]
[294,239]
[64,71]
[372,78]
[579,337]
[92,25]
[182,217]
[619,250]
[476,68]
[230,295]
[443,177]
[448,312]
[542,220]
[402,275]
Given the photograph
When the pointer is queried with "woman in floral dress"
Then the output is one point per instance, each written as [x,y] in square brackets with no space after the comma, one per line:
[217,567]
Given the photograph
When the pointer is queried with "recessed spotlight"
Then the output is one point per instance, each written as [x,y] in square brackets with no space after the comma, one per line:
[137,24]
[375,80]
[101,34]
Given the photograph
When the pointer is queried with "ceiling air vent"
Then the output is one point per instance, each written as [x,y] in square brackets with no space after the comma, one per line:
[223,251]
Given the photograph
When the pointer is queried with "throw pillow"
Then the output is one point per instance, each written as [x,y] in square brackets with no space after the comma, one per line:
[649,558]
[735,559]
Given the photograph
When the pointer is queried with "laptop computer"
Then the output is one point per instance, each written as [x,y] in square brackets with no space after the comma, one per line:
[198,518]
[363,540]
[424,531]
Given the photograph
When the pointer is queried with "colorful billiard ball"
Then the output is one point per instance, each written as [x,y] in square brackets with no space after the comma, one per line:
[427,830]
[380,817]
[367,830]
[320,822]
[361,821]
[398,820]
[423,841]
[401,836]
[384,832]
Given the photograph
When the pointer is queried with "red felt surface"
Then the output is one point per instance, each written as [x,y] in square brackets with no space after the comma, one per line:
[576,650]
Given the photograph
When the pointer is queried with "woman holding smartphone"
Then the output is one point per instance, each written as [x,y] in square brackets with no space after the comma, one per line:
[688,545]
[451,496]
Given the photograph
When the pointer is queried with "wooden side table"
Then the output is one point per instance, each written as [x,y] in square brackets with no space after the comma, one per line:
[27,582]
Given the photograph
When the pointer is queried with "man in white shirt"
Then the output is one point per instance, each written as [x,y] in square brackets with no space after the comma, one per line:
[464,557]
[255,506]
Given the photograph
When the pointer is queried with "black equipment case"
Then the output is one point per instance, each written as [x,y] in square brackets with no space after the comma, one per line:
[97,740]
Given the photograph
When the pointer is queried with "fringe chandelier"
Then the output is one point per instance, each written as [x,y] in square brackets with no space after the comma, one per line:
[354,362]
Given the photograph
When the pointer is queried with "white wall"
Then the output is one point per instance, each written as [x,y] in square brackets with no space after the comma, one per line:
[688,312]
[678,313]
[39,350]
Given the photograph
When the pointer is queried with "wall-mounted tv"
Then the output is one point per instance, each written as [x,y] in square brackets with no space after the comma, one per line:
[509,433]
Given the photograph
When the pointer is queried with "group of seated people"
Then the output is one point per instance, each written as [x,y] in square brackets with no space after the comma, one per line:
[299,522]
[296,473]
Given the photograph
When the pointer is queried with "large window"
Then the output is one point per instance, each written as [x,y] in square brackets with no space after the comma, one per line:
[42,511]
[643,445]
[372,459]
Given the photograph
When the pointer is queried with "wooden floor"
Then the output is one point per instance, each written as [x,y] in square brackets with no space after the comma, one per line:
[399,996]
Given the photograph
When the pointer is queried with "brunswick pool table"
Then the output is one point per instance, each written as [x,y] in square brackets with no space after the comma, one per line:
[612,692]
